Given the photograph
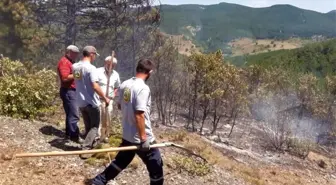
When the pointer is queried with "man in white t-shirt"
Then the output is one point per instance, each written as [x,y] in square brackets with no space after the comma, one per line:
[113,86]
[88,92]
[135,103]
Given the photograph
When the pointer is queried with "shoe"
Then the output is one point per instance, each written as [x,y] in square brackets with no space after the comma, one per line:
[112,182]
[106,140]
[90,182]
[96,142]
[77,140]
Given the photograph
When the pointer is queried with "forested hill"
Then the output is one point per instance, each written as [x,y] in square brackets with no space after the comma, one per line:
[317,58]
[213,25]
[332,14]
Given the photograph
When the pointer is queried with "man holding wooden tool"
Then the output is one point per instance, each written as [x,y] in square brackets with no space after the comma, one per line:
[107,75]
[135,102]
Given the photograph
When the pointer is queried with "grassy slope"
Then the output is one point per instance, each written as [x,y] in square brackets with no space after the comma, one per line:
[319,58]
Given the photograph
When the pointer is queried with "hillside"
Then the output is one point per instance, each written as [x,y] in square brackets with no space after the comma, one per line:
[228,165]
[213,26]
[332,14]
[184,46]
[318,58]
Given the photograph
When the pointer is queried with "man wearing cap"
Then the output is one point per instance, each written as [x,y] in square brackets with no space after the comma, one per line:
[68,92]
[88,93]
[113,86]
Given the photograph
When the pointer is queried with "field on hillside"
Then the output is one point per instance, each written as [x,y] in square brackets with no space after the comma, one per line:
[184,46]
[244,46]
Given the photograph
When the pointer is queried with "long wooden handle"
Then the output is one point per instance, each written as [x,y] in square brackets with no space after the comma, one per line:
[64,153]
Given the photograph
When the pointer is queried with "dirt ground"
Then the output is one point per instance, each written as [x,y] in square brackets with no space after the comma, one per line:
[228,164]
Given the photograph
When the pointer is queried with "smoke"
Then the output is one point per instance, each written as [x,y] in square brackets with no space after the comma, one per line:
[282,117]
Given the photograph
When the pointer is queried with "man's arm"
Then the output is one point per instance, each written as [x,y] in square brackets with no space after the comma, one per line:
[140,124]
[98,90]
[96,87]
[119,95]
[65,72]
[116,85]
[70,77]
[140,108]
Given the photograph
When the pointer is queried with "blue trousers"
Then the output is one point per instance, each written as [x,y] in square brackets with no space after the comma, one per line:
[68,97]
[151,158]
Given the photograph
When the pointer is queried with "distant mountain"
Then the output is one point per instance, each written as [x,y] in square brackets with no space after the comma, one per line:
[212,26]
[332,15]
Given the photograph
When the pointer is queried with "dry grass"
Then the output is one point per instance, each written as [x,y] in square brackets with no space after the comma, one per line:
[195,143]
[190,165]
[114,141]
[249,46]
[254,175]
[300,148]
[184,46]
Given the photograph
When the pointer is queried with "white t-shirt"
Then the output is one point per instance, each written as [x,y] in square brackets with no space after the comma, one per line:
[114,81]
[135,96]
[85,74]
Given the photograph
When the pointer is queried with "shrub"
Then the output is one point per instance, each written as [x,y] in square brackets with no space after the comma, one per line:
[276,134]
[300,147]
[177,136]
[24,93]
[193,167]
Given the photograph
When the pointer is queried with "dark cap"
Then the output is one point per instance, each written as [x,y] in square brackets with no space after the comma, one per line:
[90,49]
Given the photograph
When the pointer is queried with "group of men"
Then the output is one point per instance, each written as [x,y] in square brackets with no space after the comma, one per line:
[83,87]
[80,88]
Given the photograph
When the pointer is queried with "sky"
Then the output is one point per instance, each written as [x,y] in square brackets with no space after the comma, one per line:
[316,5]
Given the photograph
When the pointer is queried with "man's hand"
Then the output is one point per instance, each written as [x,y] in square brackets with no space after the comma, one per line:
[115,92]
[145,145]
[107,101]
[7,156]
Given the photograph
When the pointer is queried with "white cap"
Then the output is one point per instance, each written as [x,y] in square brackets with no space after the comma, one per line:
[109,59]
[72,48]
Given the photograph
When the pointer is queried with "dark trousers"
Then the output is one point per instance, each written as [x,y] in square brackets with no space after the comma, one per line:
[151,158]
[91,118]
[68,97]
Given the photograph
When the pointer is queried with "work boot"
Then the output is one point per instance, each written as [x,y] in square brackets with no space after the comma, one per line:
[77,140]
[105,140]
[112,182]
[96,142]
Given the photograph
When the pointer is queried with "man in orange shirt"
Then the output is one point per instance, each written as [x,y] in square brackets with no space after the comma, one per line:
[68,92]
